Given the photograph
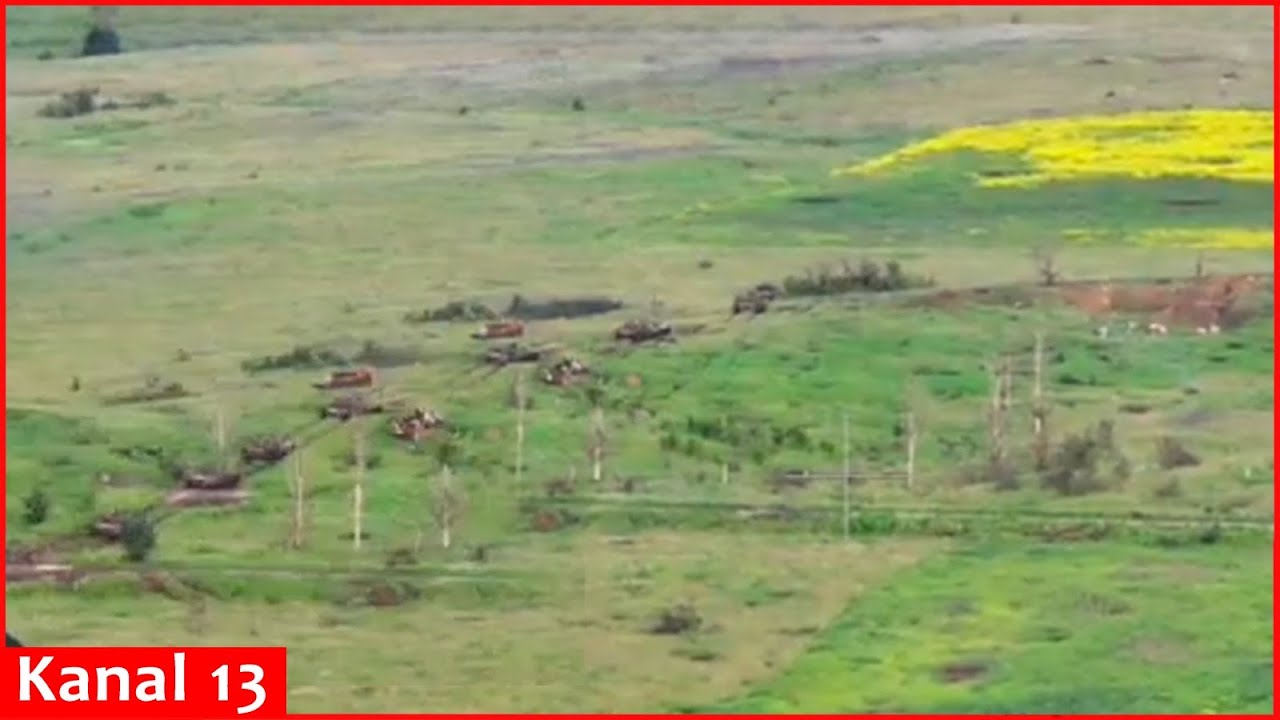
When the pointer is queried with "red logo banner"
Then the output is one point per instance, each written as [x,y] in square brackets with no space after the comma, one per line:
[140,683]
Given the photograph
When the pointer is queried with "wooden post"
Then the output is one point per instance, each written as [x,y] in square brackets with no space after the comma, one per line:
[357,497]
[846,500]
[1199,265]
[1039,409]
[911,450]
[520,402]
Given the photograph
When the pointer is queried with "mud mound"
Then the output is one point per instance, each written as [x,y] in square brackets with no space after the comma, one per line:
[197,497]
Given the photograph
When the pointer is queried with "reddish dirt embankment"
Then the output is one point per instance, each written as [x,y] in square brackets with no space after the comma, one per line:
[1222,301]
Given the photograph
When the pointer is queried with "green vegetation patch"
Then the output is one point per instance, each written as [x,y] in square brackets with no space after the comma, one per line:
[938,203]
[1041,629]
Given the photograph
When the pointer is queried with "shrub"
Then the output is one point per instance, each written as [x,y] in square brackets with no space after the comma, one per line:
[1171,454]
[35,507]
[71,104]
[300,357]
[522,308]
[678,620]
[101,41]
[453,312]
[867,277]
[1074,465]
[138,533]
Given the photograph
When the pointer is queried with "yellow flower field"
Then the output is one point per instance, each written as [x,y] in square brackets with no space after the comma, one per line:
[1209,238]
[1236,145]
[1222,238]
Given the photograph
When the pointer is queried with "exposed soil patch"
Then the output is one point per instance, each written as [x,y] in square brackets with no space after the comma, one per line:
[1162,652]
[197,497]
[963,672]
[1194,303]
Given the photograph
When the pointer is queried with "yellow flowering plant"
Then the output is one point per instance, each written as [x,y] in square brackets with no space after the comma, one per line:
[1233,145]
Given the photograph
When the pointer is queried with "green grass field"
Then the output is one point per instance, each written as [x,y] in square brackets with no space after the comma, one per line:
[321,174]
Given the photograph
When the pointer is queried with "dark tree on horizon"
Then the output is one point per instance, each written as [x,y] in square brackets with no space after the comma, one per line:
[102,38]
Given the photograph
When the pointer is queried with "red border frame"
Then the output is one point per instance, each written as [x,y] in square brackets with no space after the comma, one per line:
[666,3]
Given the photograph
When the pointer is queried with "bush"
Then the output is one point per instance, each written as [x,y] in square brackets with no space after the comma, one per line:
[522,308]
[300,357]
[101,41]
[35,507]
[453,312]
[138,533]
[1074,465]
[678,620]
[1170,454]
[71,104]
[867,277]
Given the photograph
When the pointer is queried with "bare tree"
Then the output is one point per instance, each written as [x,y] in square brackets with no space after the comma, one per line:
[846,495]
[911,449]
[724,464]
[997,426]
[1039,409]
[596,436]
[104,17]
[915,408]
[519,393]
[220,435]
[357,494]
[447,500]
[1046,266]
[297,488]
[102,38]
